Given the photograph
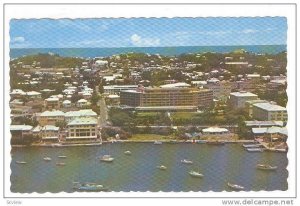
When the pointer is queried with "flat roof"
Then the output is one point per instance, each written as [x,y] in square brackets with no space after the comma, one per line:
[270,107]
[20,127]
[83,112]
[52,113]
[83,121]
[214,130]
[270,130]
[263,123]
[243,94]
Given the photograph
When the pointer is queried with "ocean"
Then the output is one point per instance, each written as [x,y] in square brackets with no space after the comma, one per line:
[139,172]
[166,51]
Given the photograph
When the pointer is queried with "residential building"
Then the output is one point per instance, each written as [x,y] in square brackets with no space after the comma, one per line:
[50,117]
[52,103]
[82,103]
[238,99]
[47,132]
[269,112]
[116,89]
[19,133]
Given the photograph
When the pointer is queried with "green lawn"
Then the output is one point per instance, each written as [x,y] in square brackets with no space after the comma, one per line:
[150,137]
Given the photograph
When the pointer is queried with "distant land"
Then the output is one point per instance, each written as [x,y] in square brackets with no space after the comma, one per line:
[166,51]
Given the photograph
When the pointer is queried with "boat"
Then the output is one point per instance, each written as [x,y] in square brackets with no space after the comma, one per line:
[127,152]
[62,156]
[266,167]
[89,187]
[201,141]
[162,167]
[235,186]
[255,149]
[251,145]
[60,164]
[157,142]
[185,161]
[106,158]
[47,158]
[215,143]
[21,162]
[195,174]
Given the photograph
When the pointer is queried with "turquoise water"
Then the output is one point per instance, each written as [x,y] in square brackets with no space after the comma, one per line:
[138,172]
[167,51]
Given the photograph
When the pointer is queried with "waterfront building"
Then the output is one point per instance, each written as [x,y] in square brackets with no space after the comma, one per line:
[50,117]
[249,105]
[46,133]
[82,128]
[238,99]
[215,131]
[269,112]
[167,97]
[19,133]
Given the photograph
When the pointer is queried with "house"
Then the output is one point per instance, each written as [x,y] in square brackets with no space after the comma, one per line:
[82,103]
[51,117]
[19,133]
[46,133]
[82,128]
[67,103]
[34,95]
[52,103]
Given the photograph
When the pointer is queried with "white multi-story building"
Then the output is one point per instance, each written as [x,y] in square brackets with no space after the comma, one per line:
[269,112]
[82,128]
[238,99]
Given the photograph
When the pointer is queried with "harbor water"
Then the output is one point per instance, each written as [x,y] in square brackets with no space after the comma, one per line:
[139,172]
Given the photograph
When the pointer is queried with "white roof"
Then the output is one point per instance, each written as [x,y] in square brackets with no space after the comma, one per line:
[52,99]
[18,91]
[269,107]
[82,101]
[67,102]
[214,130]
[243,94]
[112,96]
[52,113]
[178,84]
[32,93]
[20,127]
[45,128]
[83,112]
[270,130]
[83,121]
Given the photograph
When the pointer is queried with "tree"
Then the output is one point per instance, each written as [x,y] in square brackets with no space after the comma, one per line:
[61,124]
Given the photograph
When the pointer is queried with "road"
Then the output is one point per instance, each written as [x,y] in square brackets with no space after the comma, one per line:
[103,112]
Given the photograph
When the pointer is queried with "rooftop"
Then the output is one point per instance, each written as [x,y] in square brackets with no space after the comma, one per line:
[243,94]
[83,121]
[52,113]
[83,112]
[20,127]
[214,130]
[270,130]
[270,107]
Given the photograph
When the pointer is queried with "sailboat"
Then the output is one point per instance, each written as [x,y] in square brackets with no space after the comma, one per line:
[107,158]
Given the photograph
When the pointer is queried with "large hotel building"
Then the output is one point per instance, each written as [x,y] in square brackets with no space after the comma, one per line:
[170,98]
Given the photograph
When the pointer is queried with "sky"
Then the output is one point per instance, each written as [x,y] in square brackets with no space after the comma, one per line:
[146,32]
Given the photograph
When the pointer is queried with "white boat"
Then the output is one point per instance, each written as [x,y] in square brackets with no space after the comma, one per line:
[127,152]
[62,156]
[251,145]
[162,167]
[106,158]
[195,174]
[255,149]
[235,186]
[266,167]
[89,187]
[157,142]
[185,161]
[21,162]
[60,164]
[47,158]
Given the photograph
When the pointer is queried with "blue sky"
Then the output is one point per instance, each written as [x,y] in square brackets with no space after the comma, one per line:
[143,32]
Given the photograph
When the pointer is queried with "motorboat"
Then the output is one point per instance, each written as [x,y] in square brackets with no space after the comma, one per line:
[62,156]
[251,145]
[235,186]
[162,167]
[255,149]
[127,152]
[21,162]
[89,187]
[106,158]
[266,167]
[157,142]
[47,158]
[60,164]
[195,174]
[185,161]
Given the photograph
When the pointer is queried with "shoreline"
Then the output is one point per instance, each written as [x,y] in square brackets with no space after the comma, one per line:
[55,145]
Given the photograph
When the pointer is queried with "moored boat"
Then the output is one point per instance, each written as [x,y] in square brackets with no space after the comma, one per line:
[127,152]
[185,161]
[21,162]
[47,158]
[162,167]
[235,186]
[60,164]
[195,174]
[62,156]
[266,167]
[251,145]
[106,158]
[157,142]
[255,149]
[89,187]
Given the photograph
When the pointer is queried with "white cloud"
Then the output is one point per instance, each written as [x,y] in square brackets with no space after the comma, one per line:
[18,39]
[137,40]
